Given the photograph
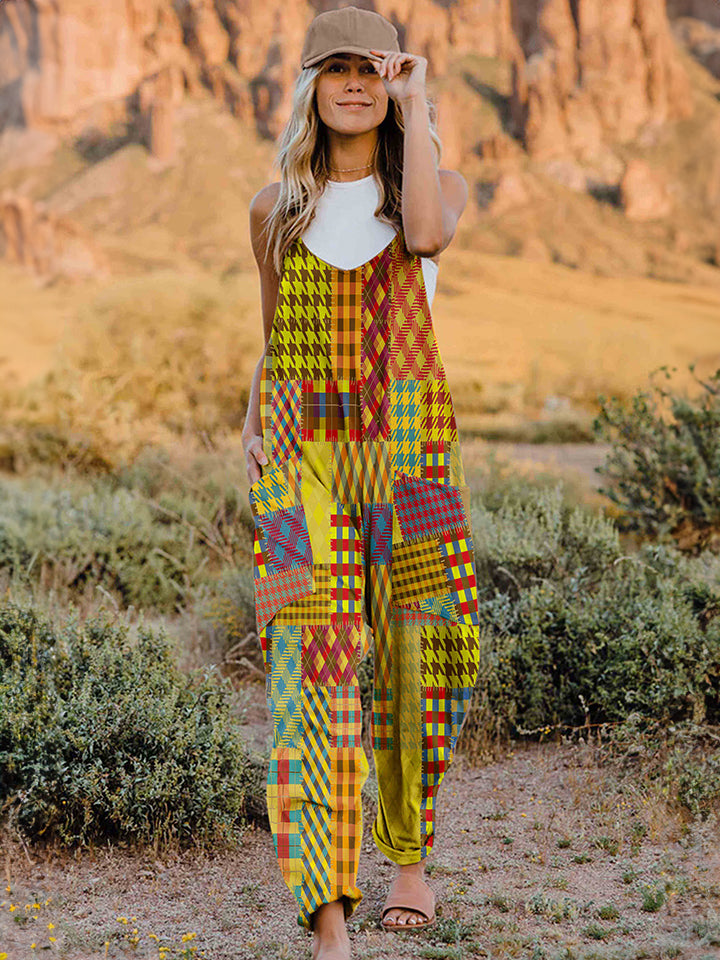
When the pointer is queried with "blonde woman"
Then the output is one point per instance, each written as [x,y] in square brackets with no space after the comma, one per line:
[362,532]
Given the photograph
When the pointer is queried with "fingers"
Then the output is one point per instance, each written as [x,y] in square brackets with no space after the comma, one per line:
[256,458]
[392,63]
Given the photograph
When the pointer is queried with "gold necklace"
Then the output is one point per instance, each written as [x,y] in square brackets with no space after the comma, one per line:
[349,169]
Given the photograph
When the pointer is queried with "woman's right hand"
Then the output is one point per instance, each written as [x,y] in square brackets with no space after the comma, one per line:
[255,457]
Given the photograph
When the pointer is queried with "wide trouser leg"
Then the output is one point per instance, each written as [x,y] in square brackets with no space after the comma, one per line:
[422,601]
[417,719]
[318,764]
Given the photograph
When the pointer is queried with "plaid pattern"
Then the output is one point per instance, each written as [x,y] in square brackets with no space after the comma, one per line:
[330,410]
[361,473]
[375,350]
[424,508]
[276,593]
[285,419]
[436,461]
[286,689]
[350,769]
[382,719]
[331,653]
[414,354]
[346,716]
[345,331]
[285,540]
[316,811]
[284,803]
[362,546]
[417,571]
[377,526]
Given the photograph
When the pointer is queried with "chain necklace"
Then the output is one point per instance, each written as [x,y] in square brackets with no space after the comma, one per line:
[348,169]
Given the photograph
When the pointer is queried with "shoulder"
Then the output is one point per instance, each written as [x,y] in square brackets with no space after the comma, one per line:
[264,200]
[261,206]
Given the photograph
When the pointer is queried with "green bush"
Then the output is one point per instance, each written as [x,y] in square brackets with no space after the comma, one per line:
[103,738]
[665,471]
[150,551]
[573,631]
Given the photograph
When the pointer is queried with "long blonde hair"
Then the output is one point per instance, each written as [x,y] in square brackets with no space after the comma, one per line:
[303,161]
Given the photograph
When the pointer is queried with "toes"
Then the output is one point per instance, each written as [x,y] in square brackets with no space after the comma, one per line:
[403,918]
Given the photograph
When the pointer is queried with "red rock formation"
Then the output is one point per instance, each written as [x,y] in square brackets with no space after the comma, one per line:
[44,242]
[593,72]
[64,63]
[644,192]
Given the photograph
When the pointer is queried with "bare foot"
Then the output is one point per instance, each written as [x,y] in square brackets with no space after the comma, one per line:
[399,917]
[330,936]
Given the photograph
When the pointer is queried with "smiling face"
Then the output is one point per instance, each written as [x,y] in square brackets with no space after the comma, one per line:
[351,96]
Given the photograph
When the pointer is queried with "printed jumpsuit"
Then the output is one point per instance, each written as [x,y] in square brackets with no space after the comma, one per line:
[362,542]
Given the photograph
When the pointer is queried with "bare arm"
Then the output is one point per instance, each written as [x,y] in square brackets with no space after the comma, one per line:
[433,200]
[260,206]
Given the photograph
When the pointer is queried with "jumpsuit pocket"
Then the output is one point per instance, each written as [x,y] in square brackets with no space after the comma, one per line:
[282,555]
[433,565]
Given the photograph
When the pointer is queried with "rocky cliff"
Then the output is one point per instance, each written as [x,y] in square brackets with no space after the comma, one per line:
[584,70]
[585,77]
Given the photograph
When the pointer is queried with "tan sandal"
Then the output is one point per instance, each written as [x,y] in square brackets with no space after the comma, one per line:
[409,892]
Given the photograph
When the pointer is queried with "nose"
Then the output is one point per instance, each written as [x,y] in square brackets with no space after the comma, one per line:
[354,82]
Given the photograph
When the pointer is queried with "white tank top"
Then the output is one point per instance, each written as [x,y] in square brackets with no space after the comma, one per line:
[345,232]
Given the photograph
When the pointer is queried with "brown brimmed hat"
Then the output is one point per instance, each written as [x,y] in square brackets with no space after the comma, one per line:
[347,30]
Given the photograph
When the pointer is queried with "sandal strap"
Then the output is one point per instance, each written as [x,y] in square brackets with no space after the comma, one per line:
[410,893]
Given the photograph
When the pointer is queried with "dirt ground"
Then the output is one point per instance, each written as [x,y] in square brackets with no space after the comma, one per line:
[542,853]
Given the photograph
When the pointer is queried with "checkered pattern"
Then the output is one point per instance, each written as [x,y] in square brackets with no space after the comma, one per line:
[346,332]
[346,716]
[436,455]
[417,571]
[424,508]
[330,410]
[457,551]
[362,546]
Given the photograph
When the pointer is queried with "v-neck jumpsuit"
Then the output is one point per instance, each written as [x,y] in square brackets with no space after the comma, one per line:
[362,542]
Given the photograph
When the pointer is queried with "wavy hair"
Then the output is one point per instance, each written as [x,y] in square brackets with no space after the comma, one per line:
[303,161]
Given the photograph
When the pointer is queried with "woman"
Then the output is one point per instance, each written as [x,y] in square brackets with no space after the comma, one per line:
[361,511]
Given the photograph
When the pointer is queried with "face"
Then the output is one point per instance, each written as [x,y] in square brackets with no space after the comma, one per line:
[351,96]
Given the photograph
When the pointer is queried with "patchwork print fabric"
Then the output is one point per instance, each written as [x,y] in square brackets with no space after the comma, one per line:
[362,542]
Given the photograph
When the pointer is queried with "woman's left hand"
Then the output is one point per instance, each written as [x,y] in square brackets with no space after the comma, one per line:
[403,73]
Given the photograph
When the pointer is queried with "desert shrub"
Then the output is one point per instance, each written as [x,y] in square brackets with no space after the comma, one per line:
[574,632]
[80,535]
[151,535]
[103,738]
[681,759]
[664,468]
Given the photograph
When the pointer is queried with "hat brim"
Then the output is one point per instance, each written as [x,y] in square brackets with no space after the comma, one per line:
[363,51]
